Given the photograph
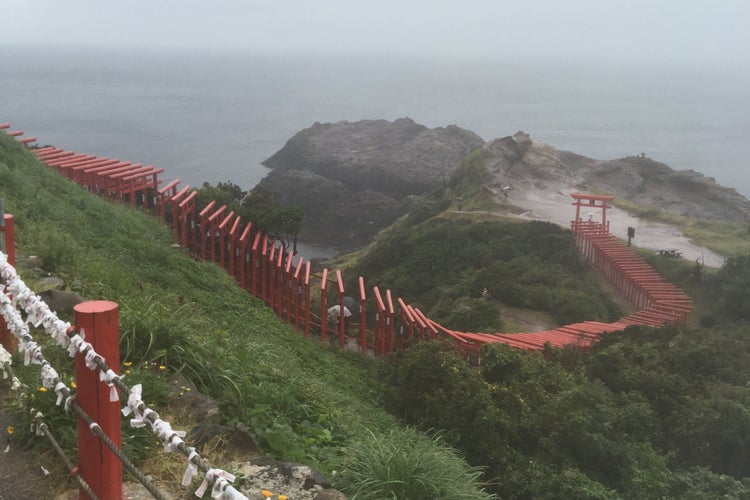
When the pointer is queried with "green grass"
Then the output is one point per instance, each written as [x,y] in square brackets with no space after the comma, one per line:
[725,238]
[302,402]
[405,464]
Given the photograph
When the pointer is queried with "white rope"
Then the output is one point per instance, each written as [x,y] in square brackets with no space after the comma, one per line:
[6,361]
[38,313]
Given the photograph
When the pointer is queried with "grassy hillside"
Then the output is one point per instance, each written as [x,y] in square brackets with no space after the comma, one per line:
[725,238]
[441,259]
[301,402]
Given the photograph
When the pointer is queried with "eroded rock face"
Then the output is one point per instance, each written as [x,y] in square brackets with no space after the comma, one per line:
[352,179]
[521,163]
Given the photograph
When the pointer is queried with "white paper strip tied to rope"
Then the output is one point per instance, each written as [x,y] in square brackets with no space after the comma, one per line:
[35,426]
[220,479]
[37,311]
[109,378]
[49,376]
[13,319]
[31,352]
[6,358]
[133,406]
[171,439]
[192,469]
[77,344]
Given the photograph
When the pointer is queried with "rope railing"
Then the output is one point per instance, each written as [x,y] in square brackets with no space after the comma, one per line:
[42,428]
[38,313]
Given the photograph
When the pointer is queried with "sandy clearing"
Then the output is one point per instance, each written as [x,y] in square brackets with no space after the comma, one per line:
[556,205]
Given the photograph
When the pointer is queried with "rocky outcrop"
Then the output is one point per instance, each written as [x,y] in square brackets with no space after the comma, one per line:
[684,192]
[352,179]
[524,164]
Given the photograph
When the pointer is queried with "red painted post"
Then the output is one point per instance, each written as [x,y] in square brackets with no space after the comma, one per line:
[187,210]
[9,238]
[244,256]
[279,281]
[362,316]
[324,306]
[264,265]
[307,299]
[297,292]
[223,241]
[289,287]
[99,466]
[342,310]
[379,321]
[271,302]
[389,313]
[232,250]
[255,263]
[202,225]
[8,246]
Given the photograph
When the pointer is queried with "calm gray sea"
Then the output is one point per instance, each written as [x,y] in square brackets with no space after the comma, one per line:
[216,116]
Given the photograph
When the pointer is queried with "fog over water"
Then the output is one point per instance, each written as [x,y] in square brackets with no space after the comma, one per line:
[215,115]
[207,90]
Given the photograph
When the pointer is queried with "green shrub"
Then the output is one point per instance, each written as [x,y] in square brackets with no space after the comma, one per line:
[404,465]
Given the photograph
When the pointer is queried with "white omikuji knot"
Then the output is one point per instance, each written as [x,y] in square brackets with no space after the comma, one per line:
[171,439]
[74,345]
[60,390]
[192,469]
[221,480]
[109,377]
[90,357]
[134,399]
[49,376]
[5,357]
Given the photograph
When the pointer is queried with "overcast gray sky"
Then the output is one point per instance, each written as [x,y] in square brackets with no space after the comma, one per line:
[695,31]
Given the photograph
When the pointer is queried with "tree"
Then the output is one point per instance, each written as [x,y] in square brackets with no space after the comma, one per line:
[224,193]
[264,208]
[734,279]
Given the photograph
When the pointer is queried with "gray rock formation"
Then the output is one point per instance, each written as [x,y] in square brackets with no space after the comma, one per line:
[521,163]
[352,179]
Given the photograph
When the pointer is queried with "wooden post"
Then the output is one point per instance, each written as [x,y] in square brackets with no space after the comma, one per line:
[99,466]
[342,309]
[324,306]
[8,238]
[362,316]
[307,298]
[8,246]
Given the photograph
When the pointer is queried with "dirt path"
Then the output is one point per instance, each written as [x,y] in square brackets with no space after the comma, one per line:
[555,205]
[21,473]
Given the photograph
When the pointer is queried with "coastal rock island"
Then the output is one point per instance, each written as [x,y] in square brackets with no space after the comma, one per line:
[352,179]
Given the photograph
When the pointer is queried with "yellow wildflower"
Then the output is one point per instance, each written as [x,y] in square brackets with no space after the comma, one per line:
[127,372]
[128,363]
[73,385]
[9,430]
[266,493]
[162,368]
[282,497]
[42,389]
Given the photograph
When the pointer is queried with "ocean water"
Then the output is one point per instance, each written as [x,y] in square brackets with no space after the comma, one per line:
[215,116]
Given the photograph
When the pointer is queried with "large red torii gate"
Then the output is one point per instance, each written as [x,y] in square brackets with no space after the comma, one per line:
[591,202]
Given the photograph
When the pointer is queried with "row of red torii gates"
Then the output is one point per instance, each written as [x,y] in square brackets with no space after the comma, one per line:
[263,267]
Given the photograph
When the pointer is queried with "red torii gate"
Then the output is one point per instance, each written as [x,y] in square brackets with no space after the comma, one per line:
[163,195]
[591,201]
